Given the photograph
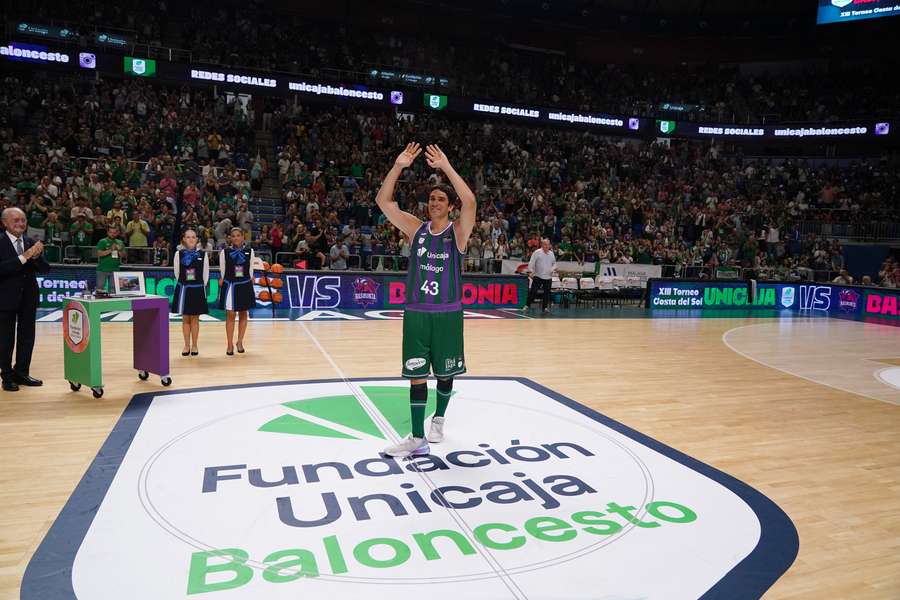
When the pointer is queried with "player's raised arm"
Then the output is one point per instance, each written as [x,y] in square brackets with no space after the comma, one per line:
[400,219]
[463,226]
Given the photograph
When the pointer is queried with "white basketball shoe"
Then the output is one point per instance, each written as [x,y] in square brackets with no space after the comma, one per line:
[409,446]
[436,433]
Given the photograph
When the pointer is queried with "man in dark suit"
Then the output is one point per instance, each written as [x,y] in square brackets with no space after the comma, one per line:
[20,259]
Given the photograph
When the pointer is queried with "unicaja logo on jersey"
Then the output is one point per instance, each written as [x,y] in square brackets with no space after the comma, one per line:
[422,250]
[841,3]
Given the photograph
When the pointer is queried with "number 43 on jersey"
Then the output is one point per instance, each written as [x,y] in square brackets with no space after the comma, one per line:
[432,288]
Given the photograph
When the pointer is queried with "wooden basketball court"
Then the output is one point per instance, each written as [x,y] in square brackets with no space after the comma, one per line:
[800,409]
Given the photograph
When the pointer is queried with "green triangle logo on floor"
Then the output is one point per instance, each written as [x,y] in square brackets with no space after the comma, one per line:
[343,417]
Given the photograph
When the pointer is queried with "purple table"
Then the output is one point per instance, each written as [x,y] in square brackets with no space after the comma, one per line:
[83,345]
[151,335]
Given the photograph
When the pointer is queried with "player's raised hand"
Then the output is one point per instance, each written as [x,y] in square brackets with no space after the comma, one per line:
[408,155]
[436,157]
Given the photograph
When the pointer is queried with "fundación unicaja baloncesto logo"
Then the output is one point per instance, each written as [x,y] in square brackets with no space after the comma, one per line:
[343,417]
[342,495]
[140,67]
[248,491]
[666,127]
[787,297]
[435,101]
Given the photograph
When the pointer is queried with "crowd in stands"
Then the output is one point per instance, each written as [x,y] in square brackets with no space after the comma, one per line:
[254,35]
[889,274]
[81,155]
[682,205]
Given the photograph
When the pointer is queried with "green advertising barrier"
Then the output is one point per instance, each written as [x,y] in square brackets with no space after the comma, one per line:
[317,290]
[869,304]
[74,281]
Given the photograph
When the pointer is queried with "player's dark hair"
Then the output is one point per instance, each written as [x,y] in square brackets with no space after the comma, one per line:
[452,198]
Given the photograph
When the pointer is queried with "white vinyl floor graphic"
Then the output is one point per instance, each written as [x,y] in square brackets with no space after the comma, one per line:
[278,491]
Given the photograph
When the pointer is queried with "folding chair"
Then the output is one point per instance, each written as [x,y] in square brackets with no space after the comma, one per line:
[586,289]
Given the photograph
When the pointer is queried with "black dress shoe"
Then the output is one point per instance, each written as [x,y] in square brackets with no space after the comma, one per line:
[10,386]
[28,380]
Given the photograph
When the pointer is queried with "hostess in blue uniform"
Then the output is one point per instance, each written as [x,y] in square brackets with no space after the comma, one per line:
[236,291]
[191,275]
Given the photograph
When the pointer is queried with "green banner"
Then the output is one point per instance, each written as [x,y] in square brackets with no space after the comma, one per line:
[140,67]
[435,101]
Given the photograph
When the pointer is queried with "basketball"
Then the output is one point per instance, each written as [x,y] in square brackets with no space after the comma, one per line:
[277,268]
[265,266]
[264,296]
[262,281]
[277,297]
[276,282]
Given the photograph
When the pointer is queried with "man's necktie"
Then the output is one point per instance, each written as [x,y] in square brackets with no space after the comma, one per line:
[19,249]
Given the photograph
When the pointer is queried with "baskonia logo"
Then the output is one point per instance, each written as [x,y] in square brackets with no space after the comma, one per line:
[737,296]
[365,291]
[848,300]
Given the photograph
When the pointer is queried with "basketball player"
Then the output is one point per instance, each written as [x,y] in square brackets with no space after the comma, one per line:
[433,318]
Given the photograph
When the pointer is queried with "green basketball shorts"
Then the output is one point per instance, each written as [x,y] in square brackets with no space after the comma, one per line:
[433,342]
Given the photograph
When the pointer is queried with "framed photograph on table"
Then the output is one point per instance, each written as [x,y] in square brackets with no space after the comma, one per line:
[129,283]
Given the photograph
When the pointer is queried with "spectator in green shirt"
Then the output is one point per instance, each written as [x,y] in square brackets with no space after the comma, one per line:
[107,197]
[119,171]
[565,249]
[80,234]
[52,227]
[109,257]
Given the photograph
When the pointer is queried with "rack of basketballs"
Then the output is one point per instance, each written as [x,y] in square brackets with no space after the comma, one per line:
[272,284]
